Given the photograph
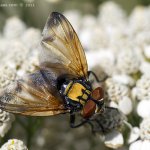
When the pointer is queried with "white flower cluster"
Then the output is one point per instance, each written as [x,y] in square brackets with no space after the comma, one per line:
[119,46]
[6,120]
[18,51]
[140,137]
[115,44]
[14,144]
[18,55]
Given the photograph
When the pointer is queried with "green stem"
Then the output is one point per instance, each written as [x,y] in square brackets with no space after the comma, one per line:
[33,125]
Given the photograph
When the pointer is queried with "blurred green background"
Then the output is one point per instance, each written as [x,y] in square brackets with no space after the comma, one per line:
[35,12]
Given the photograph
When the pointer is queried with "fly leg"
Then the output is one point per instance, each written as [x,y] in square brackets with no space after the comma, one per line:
[72,121]
[96,128]
[95,76]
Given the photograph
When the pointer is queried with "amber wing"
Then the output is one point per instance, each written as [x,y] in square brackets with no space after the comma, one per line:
[35,95]
[61,55]
[61,48]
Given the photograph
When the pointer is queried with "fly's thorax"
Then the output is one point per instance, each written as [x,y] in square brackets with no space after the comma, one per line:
[76,93]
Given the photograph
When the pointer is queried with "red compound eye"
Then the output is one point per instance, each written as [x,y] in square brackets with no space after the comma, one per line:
[90,107]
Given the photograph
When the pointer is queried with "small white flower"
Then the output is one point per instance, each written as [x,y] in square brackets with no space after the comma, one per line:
[89,22]
[138,19]
[3,47]
[13,28]
[145,67]
[114,139]
[111,13]
[143,108]
[116,91]
[103,59]
[145,129]
[113,104]
[147,51]
[15,55]
[123,79]
[74,17]
[93,39]
[6,120]
[140,145]
[125,105]
[14,144]
[144,132]
[118,94]
[142,38]
[128,62]
[134,134]
[143,87]
[7,75]
[30,64]
[31,38]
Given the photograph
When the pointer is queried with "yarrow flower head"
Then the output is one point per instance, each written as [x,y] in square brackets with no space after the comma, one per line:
[14,28]
[113,50]
[14,144]
[128,62]
[6,120]
[143,87]
[145,129]
[7,76]
[118,95]
[143,136]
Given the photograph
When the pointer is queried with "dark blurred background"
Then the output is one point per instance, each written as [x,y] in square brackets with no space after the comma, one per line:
[35,12]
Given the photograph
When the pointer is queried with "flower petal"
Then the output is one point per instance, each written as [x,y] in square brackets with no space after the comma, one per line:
[114,139]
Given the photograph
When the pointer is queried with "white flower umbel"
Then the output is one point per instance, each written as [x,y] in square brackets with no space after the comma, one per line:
[128,62]
[138,19]
[31,38]
[145,129]
[147,51]
[145,67]
[17,54]
[115,90]
[118,94]
[111,13]
[14,144]
[89,22]
[93,39]
[6,120]
[14,28]
[143,108]
[140,145]
[118,44]
[144,132]
[123,79]
[143,87]
[103,59]
[7,76]
[3,47]
[30,65]
[125,105]
[74,17]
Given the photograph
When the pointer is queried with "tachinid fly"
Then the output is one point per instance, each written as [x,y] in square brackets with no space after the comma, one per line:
[61,83]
